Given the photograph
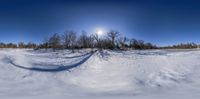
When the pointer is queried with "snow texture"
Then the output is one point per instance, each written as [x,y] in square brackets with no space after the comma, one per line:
[86,74]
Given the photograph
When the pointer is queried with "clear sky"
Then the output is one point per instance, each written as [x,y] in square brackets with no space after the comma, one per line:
[162,22]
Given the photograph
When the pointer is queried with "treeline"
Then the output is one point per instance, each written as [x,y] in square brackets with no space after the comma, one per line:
[19,45]
[111,40]
[182,46]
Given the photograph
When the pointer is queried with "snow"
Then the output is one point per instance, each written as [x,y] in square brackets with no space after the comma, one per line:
[148,74]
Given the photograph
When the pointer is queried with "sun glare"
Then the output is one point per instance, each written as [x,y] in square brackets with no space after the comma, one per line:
[99,32]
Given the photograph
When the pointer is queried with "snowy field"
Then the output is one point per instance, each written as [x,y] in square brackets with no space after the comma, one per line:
[149,74]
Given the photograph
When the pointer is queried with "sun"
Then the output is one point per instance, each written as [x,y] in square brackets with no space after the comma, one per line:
[99,32]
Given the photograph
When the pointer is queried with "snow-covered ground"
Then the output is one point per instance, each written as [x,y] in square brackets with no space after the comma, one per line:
[149,74]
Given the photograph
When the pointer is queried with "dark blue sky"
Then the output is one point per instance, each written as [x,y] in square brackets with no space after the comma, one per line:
[162,22]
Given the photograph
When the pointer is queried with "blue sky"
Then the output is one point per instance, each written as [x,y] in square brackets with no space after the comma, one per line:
[162,22]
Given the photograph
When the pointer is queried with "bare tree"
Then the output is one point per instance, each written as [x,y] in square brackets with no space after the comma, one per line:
[70,39]
[90,41]
[123,42]
[11,45]
[46,43]
[31,45]
[66,39]
[112,35]
[2,45]
[82,41]
[85,41]
[97,39]
[55,41]
[21,45]
[149,46]
[134,44]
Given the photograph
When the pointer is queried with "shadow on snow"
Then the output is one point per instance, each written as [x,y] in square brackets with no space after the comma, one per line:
[54,68]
